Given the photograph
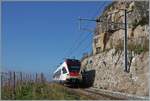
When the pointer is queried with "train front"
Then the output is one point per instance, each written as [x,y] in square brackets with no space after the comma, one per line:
[74,76]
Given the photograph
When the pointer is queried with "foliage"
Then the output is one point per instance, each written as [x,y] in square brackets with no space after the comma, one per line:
[135,47]
[139,48]
[41,91]
[143,21]
[134,24]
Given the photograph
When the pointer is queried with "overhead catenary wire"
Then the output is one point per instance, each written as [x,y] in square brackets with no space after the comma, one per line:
[93,17]
[76,43]
[125,38]
[101,7]
[87,46]
[79,44]
[76,40]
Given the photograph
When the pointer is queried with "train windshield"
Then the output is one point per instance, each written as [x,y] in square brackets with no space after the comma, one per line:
[74,68]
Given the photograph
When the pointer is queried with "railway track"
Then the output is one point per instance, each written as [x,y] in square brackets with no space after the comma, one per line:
[119,95]
[99,94]
[94,94]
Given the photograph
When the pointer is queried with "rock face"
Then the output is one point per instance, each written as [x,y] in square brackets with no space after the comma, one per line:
[110,74]
[111,29]
[108,56]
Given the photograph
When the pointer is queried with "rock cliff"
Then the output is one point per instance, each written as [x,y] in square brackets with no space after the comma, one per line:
[108,57]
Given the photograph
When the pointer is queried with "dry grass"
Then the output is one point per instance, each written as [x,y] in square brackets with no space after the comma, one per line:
[41,91]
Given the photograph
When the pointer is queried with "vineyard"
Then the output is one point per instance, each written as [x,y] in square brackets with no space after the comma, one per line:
[24,86]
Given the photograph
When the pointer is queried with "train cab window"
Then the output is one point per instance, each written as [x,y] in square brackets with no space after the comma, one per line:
[58,73]
[64,70]
[74,68]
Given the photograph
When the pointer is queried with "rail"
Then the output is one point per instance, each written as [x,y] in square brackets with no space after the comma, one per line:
[118,95]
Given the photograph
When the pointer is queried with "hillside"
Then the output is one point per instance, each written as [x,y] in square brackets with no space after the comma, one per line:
[107,59]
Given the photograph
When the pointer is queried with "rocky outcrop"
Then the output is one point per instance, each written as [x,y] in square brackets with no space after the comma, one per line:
[108,57]
[110,74]
[111,29]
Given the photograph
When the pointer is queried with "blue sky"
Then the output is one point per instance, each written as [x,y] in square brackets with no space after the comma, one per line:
[36,36]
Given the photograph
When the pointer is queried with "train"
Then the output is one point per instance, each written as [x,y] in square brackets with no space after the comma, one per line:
[68,72]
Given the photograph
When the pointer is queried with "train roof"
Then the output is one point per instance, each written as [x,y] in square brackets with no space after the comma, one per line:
[72,60]
[67,61]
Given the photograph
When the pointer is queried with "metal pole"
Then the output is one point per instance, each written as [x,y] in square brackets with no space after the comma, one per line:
[14,88]
[125,42]
[21,78]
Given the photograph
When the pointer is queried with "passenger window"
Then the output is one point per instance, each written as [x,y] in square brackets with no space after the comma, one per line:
[64,70]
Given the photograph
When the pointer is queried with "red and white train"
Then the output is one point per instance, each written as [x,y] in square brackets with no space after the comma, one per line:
[68,72]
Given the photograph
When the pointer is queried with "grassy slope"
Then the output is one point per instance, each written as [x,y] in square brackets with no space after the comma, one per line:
[42,92]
